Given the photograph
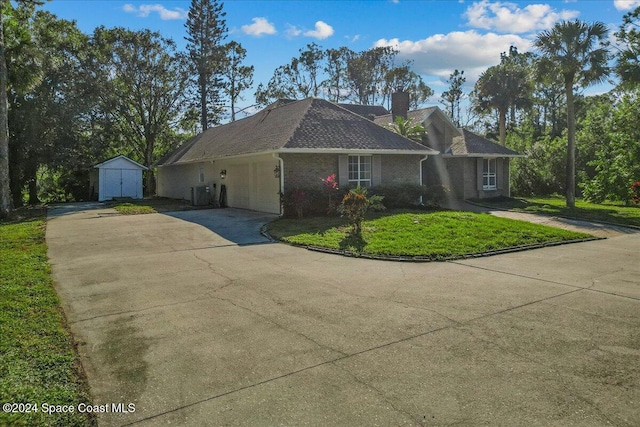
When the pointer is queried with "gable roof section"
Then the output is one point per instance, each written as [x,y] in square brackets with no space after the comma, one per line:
[474,145]
[419,116]
[309,125]
[113,159]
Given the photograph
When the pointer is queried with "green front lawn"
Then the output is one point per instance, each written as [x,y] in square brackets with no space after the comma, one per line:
[433,235]
[153,205]
[37,361]
[605,212]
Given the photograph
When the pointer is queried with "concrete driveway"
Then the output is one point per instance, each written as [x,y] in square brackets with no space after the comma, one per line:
[197,330]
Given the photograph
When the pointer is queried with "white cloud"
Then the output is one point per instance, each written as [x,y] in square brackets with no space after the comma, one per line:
[259,27]
[321,32]
[292,31]
[510,18]
[164,13]
[626,4]
[441,54]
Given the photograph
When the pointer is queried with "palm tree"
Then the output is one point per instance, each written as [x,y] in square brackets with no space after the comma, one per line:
[578,52]
[407,128]
[501,87]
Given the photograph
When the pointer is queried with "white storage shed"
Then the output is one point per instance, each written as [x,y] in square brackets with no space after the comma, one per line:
[117,177]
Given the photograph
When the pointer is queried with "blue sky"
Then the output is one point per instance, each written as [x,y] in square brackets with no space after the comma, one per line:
[439,36]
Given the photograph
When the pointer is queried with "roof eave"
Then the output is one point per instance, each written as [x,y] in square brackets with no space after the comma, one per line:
[427,151]
[483,155]
[120,156]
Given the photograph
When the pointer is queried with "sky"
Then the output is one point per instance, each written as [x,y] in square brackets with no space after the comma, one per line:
[437,35]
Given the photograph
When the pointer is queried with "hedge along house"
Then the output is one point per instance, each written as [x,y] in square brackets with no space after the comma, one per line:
[471,166]
[288,145]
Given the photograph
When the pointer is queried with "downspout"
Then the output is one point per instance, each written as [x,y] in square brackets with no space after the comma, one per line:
[420,179]
[281,190]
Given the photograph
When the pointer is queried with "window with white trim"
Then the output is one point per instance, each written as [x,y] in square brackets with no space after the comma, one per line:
[201,174]
[360,171]
[489,174]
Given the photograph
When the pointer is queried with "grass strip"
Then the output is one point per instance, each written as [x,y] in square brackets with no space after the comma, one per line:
[37,361]
[134,209]
[611,213]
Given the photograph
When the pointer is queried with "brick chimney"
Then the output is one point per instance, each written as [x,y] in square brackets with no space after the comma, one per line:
[399,105]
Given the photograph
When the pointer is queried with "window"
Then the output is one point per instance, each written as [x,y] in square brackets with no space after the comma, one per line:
[201,174]
[489,174]
[360,171]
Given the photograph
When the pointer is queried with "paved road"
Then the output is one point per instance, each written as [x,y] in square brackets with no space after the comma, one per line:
[197,330]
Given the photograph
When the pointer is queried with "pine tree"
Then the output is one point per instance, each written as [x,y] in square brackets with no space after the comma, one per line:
[206,29]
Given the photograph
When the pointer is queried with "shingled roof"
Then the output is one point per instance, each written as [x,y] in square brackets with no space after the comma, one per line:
[474,145]
[366,111]
[309,125]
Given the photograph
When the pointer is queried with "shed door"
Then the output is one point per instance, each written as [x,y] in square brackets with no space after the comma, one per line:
[112,184]
[130,183]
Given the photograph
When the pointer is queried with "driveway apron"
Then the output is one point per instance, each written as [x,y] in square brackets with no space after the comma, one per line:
[198,320]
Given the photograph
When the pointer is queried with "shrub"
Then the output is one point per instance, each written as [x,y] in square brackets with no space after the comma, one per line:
[635,192]
[399,195]
[434,195]
[296,202]
[355,205]
[407,195]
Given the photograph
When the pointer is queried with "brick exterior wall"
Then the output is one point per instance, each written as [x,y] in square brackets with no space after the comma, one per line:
[399,169]
[306,170]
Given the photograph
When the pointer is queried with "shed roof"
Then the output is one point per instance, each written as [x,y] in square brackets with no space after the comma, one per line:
[309,125]
[120,157]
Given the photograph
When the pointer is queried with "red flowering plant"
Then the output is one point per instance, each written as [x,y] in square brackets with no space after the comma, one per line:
[331,188]
[635,192]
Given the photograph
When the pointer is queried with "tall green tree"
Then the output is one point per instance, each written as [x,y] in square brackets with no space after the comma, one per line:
[336,70]
[206,30]
[237,77]
[500,88]
[628,57]
[298,79]
[452,97]
[577,50]
[366,72]
[403,79]
[5,190]
[611,137]
[143,83]
[46,115]
[11,16]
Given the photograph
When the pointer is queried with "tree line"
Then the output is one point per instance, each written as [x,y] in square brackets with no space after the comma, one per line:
[73,99]
[575,144]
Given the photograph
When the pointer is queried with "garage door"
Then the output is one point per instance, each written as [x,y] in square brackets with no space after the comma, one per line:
[267,188]
[238,186]
[253,186]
